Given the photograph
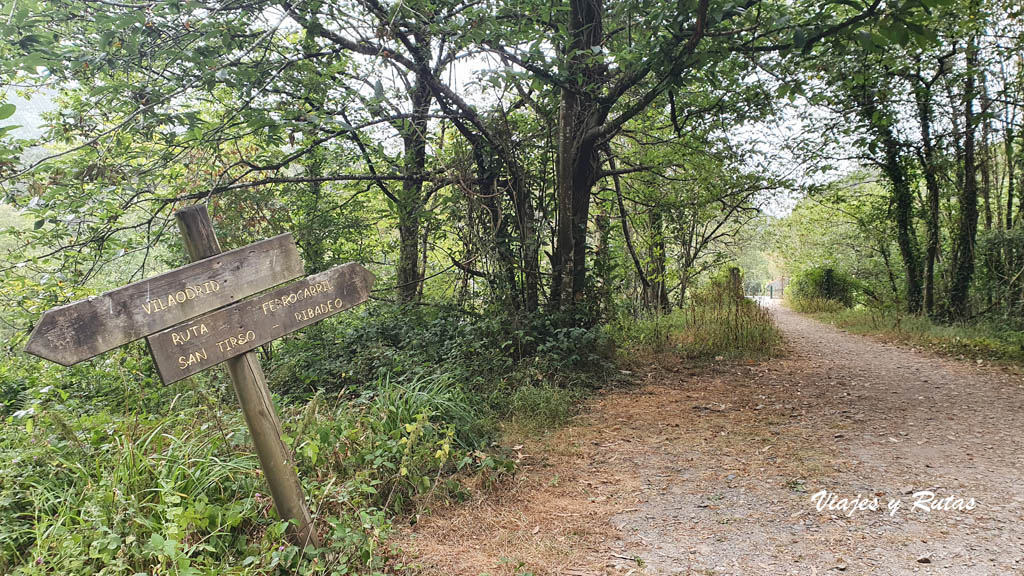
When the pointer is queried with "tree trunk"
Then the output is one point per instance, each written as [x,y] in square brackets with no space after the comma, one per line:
[626,235]
[686,258]
[578,155]
[410,203]
[531,254]
[603,262]
[561,265]
[423,260]
[408,255]
[883,249]
[522,202]
[906,239]
[963,261]
[986,160]
[503,280]
[1008,148]
[931,177]
[657,297]
[903,199]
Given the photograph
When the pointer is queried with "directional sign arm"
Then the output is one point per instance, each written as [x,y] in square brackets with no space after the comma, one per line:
[80,330]
[212,338]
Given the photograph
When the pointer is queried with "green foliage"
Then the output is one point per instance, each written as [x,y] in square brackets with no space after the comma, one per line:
[982,339]
[124,379]
[477,351]
[715,324]
[106,495]
[813,304]
[1000,276]
[816,287]
[112,473]
[10,219]
[843,227]
[182,492]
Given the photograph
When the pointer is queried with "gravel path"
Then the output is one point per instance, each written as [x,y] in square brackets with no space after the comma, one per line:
[714,471]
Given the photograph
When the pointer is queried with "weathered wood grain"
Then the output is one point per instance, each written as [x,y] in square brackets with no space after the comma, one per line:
[212,338]
[83,329]
[254,396]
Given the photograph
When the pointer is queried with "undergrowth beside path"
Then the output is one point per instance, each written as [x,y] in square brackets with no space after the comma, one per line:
[104,471]
[985,339]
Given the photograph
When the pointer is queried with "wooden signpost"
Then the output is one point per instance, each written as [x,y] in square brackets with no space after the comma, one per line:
[83,329]
[196,317]
[212,338]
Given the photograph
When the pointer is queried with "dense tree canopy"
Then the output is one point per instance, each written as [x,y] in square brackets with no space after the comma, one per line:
[486,144]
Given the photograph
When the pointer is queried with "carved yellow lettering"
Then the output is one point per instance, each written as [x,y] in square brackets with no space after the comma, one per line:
[193,358]
[153,306]
[270,305]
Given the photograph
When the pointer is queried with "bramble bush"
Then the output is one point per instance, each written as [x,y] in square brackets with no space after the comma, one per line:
[477,349]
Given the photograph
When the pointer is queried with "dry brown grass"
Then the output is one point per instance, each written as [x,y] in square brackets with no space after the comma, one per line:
[552,518]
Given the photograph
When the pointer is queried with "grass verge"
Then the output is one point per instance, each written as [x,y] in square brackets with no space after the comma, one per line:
[980,340]
[181,493]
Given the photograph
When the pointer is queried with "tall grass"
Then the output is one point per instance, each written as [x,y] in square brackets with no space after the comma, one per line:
[182,493]
[983,339]
[126,496]
[814,304]
[716,323]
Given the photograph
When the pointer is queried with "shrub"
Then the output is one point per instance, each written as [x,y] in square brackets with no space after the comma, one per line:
[477,351]
[812,287]
[999,278]
[814,304]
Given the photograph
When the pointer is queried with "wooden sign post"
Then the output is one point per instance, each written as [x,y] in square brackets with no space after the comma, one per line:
[196,317]
[81,330]
[212,338]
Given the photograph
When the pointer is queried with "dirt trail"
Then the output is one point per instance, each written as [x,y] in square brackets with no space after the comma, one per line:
[712,471]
